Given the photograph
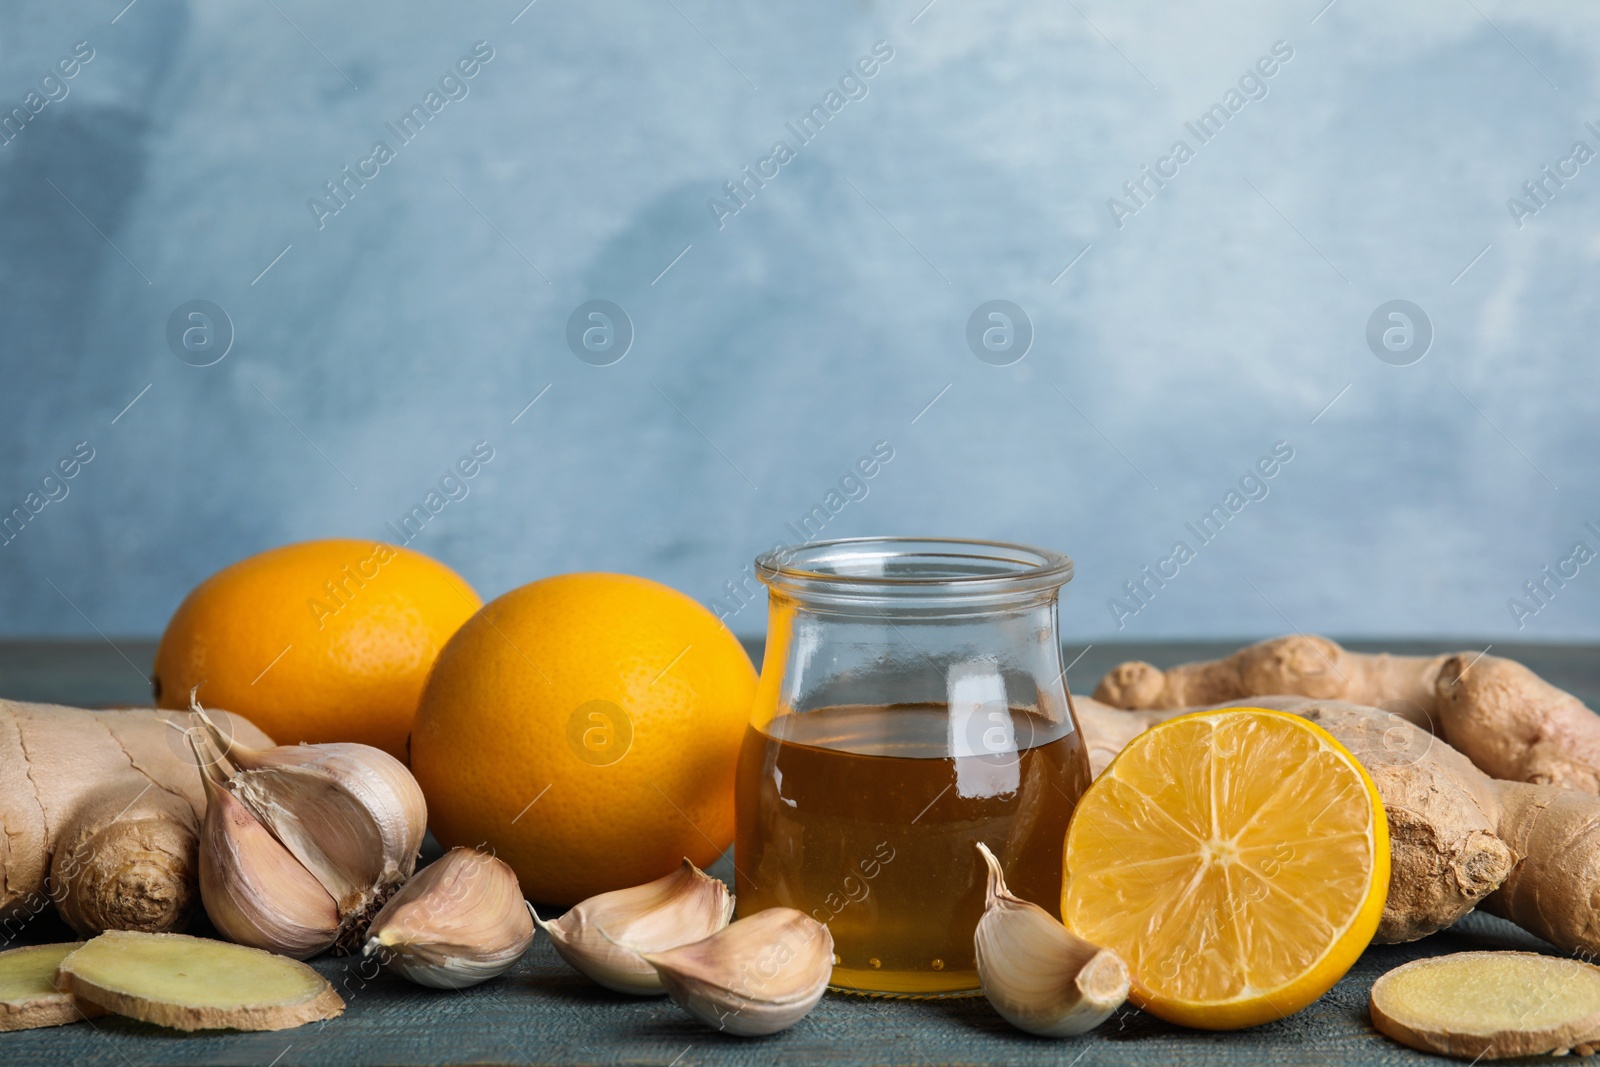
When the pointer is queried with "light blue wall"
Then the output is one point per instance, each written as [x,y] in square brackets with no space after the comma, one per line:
[1223,315]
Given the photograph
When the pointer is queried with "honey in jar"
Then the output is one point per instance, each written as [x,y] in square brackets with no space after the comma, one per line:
[902,720]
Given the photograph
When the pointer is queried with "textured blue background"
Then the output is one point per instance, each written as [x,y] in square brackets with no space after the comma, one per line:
[1225,315]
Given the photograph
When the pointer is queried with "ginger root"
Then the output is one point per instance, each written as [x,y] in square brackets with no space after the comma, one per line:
[1502,716]
[1490,1005]
[1514,724]
[1528,853]
[101,814]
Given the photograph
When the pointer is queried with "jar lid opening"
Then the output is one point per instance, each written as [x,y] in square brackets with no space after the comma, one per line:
[910,567]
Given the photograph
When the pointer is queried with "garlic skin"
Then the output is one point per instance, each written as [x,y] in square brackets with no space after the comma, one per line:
[757,976]
[459,921]
[1037,974]
[351,814]
[253,890]
[604,936]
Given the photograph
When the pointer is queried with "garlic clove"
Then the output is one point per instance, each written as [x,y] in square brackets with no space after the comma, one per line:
[757,976]
[351,814]
[459,921]
[1037,974]
[254,891]
[684,906]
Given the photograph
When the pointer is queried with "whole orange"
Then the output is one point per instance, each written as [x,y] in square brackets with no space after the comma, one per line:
[586,728]
[318,641]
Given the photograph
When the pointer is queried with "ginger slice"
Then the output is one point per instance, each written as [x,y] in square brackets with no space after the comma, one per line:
[28,996]
[194,983]
[1491,1005]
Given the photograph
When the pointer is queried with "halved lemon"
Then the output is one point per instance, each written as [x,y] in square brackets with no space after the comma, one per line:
[1237,860]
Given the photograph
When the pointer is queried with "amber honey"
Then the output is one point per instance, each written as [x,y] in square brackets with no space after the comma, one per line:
[861,817]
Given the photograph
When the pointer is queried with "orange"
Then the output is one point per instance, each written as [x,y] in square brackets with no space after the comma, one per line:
[318,641]
[1237,860]
[586,728]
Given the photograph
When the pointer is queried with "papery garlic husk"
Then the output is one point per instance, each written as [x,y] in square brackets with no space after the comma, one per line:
[684,906]
[459,921]
[1037,974]
[254,891]
[757,976]
[351,814]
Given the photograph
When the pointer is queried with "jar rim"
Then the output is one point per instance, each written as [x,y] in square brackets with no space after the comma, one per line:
[913,566]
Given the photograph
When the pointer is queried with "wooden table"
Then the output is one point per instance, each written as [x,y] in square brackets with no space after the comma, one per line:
[543,1012]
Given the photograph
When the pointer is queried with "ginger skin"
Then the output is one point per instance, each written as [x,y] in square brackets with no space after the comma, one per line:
[1514,724]
[1296,665]
[1510,722]
[1529,853]
[101,813]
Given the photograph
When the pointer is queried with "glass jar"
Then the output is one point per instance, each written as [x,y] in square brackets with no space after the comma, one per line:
[912,704]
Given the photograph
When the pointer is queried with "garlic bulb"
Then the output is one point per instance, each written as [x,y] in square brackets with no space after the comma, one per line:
[351,814]
[603,936]
[255,892]
[757,976]
[1040,976]
[459,921]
